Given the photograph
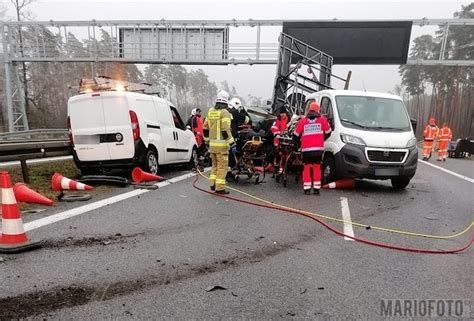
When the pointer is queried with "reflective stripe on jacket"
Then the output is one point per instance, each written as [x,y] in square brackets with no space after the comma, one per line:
[431,132]
[445,134]
[312,133]
[217,130]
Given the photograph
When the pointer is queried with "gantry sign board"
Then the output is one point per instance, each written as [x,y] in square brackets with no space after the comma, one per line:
[182,44]
[356,42]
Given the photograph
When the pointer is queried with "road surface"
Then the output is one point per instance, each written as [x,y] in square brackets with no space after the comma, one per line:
[154,254]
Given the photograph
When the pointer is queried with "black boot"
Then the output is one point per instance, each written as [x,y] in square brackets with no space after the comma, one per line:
[307,191]
[316,191]
[213,187]
[223,192]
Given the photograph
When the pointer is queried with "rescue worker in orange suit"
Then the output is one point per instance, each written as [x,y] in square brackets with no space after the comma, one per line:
[197,127]
[429,135]
[279,128]
[445,136]
[217,133]
[312,131]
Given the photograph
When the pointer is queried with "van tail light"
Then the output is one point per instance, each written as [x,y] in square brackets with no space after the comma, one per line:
[135,125]
[69,131]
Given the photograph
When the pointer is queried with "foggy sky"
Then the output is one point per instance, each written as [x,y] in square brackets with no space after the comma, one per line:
[257,80]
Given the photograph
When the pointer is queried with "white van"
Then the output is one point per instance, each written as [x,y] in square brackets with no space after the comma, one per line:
[110,129]
[372,136]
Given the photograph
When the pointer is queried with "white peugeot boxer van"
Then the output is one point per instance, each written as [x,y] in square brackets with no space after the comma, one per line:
[372,136]
[113,129]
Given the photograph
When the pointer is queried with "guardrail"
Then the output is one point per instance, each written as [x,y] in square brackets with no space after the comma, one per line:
[23,150]
[34,135]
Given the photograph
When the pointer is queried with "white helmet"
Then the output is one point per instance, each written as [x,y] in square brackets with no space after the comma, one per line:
[222,97]
[235,103]
[193,112]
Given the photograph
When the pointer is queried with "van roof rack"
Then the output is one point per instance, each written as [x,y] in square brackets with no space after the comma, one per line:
[105,83]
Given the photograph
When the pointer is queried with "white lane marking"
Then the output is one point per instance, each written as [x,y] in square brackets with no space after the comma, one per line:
[346,216]
[35,161]
[93,206]
[448,171]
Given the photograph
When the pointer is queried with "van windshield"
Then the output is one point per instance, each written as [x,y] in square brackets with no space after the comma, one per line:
[372,113]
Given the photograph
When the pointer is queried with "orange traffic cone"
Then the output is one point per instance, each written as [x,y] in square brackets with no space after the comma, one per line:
[139,176]
[13,238]
[24,194]
[345,183]
[60,183]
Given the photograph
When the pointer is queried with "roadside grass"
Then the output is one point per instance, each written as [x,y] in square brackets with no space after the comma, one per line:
[40,179]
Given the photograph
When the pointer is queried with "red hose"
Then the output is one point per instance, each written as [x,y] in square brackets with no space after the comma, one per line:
[329,227]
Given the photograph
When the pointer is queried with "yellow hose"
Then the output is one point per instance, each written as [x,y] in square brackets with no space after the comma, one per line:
[329,218]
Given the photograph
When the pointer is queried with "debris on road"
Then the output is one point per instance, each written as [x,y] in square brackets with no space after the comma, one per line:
[303,291]
[214,288]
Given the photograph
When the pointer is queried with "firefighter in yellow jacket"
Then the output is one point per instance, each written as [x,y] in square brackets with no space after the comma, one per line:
[217,133]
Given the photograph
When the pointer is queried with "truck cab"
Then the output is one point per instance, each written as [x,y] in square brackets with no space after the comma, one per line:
[372,136]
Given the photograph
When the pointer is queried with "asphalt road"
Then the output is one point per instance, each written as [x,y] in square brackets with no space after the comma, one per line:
[154,255]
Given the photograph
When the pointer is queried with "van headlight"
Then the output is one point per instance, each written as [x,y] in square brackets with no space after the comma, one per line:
[411,142]
[349,139]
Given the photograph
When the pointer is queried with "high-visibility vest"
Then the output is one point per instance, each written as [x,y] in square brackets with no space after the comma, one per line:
[312,133]
[217,130]
[278,128]
[445,134]
[431,132]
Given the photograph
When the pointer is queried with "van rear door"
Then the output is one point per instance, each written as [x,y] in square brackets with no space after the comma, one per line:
[88,123]
[118,134]
[101,126]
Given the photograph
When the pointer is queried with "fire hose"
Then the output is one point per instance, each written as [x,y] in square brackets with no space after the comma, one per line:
[317,218]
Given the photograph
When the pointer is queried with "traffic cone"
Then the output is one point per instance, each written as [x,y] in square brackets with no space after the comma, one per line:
[345,183]
[13,238]
[60,183]
[269,168]
[24,194]
[139,176]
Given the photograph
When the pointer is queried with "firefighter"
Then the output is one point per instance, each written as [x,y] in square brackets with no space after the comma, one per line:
[312,130]
[444,137]
[238,119]
[279,128]
[217,133]
[429,135]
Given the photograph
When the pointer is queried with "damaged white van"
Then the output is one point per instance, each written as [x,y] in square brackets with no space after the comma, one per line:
[121,129]
[372,136]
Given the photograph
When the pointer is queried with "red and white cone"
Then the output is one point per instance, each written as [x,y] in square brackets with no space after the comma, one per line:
[345,183]
[60,183]
[13,238]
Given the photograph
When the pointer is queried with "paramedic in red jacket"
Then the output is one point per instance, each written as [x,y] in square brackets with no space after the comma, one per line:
[279,128]
[312,130]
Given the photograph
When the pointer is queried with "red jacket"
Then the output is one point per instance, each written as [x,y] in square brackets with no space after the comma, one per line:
[198,129]
[278,128]
[312,133]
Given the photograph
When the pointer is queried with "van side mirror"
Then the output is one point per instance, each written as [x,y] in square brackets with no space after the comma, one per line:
[413,124]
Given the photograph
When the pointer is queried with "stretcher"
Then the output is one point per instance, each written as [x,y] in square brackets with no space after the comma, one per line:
[290,159]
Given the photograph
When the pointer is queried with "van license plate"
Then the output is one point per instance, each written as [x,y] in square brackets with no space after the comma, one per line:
[386,172]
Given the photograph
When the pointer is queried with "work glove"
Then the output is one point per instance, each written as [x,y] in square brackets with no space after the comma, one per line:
[233,149]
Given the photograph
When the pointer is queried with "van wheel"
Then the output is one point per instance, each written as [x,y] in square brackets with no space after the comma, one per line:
[328,170]
[194,160]
[400,182]
[151,162]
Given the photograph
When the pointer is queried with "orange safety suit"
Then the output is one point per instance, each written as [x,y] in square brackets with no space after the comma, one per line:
[429,134]
[445,136]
